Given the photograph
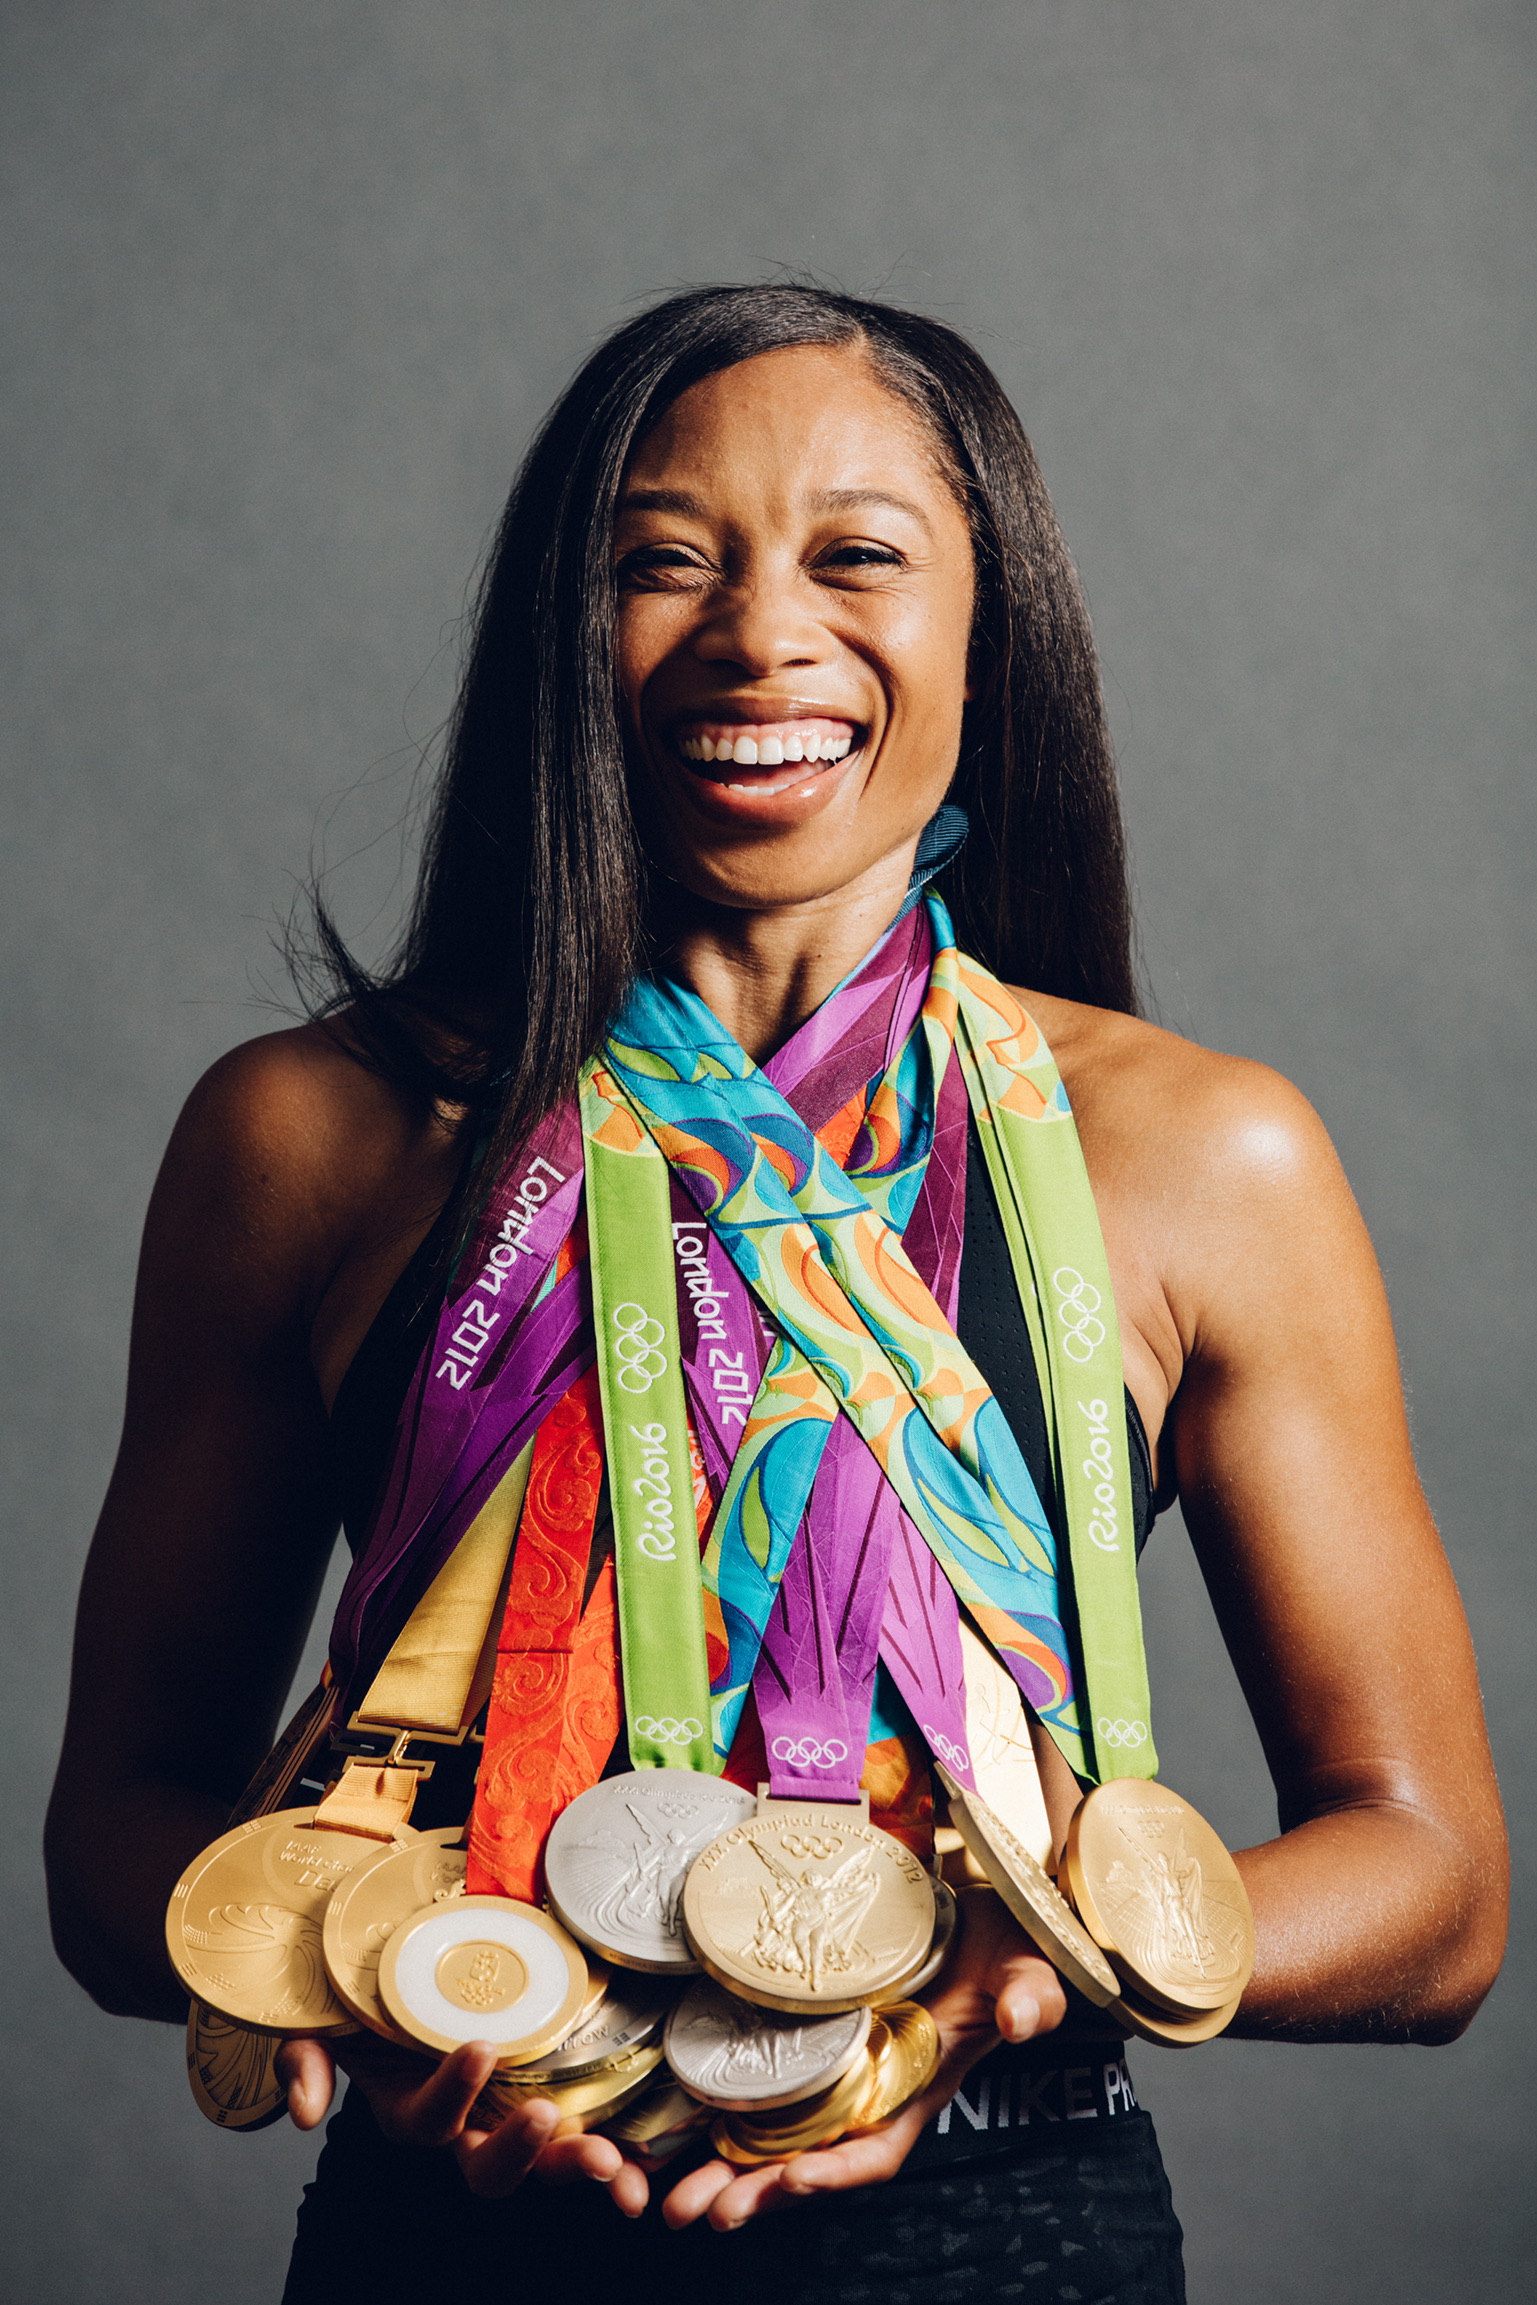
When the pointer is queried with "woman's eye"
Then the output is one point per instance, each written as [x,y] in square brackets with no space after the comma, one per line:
[860,556]
[658,562]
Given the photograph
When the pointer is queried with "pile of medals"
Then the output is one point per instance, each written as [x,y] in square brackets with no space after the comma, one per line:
[704,1959]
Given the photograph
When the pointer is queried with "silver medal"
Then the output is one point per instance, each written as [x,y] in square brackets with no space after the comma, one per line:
[617,1858]
[731,2053]
[629,2017]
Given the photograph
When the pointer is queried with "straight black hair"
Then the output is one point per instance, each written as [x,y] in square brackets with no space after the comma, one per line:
[532,910]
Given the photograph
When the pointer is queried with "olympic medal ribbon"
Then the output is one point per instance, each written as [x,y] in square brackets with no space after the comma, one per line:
[1036,1165]
[645,1427]
[870,1337]
[540,1746]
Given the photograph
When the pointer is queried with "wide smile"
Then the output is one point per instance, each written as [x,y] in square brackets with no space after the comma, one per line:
[765,758]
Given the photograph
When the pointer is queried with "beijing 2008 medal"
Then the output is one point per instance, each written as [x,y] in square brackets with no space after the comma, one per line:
[1031,1895]
[243,1924]
[369,1906]
[1160,1893]
[809,1906]
[734,2056]
[233,2071]
[617,1856]
[483,1969]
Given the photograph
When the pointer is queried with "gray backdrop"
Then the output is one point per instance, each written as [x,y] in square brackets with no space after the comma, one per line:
[287,288]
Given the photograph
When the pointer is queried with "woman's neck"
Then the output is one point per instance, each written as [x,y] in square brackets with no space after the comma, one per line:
[763,973]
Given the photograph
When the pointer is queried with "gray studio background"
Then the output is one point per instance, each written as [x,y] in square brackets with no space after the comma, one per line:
[286,289]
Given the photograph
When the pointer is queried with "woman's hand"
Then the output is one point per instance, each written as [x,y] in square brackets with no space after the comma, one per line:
[417,2103]
[996,1987]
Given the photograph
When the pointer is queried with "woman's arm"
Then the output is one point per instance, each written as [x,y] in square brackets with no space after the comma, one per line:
[1381,1907]
[213,1539]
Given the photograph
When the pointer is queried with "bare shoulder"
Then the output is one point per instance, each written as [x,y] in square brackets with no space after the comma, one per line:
[1218,1123]
[290,1158]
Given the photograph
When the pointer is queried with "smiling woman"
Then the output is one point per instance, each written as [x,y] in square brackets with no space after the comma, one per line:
[698,1167]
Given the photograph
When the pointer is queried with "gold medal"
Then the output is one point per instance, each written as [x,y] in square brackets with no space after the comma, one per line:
[366,1909]
[659,2123]
[1170,2032]
[809,1906]
[904,2064]
[1031,1895]
[243,1924]
[483,1969]
[1160,1893]
[581,2104]
[233,2071]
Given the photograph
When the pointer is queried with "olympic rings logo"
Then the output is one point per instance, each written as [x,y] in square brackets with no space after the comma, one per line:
[668,1732]
[1121,1736]
[954,1756]
[810,1752]
[639,1337]
[1080,1301]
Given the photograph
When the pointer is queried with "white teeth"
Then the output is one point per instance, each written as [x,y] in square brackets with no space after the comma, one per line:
[834,747]
[771,752]
[794,749]
[811,748]
[745,752]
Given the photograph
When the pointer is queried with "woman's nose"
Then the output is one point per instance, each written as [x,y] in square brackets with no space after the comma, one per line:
[761,624]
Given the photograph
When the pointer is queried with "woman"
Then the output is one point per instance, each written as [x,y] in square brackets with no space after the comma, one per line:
[779,584]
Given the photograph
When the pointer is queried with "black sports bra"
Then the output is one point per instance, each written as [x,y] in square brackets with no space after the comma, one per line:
[989,1321]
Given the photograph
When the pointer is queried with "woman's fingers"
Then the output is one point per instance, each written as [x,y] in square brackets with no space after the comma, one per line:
[691,2197]
[308,2073]
[416,2103]
[1030,1998]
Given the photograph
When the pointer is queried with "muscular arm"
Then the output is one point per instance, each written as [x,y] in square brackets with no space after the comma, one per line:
[1381,1906]
[213,1539]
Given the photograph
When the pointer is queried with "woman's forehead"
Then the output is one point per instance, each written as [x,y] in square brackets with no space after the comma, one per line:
[817,416]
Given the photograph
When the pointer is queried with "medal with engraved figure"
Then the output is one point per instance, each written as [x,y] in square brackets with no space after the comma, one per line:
[1031,1895]
[243,1927]
[734,2056]
[618,1855]
[1163,1897]
[810,1906]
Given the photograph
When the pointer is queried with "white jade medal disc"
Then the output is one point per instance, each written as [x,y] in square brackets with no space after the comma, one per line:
[729,2054]
[483,1969]
[617,1858]
[810,1908]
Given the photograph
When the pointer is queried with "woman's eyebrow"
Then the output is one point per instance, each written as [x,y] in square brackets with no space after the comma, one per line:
[676,500]
[852,499]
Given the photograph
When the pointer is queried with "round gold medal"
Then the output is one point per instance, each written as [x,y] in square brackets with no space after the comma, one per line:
[584,2103]
[368,1907]
[1162,1896]
[809,1907]
[1151,2024]
[483,1969]
[243,1924]
[905,2062]
[1031,1895]
[233,2071]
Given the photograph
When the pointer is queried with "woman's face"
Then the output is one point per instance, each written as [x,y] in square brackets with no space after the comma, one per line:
[795,594]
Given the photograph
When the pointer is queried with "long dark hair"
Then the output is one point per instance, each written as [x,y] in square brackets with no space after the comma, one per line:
[531,912]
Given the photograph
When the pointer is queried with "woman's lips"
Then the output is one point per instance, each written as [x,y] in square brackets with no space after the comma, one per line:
[743,755]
